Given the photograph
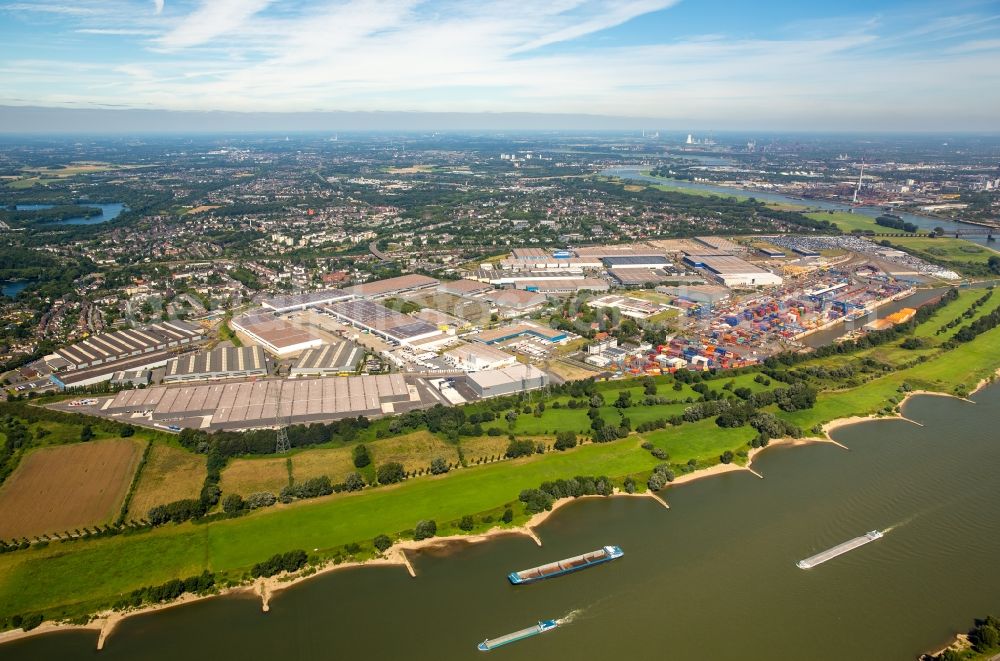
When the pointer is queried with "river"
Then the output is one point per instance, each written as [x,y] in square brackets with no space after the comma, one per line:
[714,577]
[108,213]
[925,223]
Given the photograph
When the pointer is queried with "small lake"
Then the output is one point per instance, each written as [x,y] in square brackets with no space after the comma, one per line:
[11,288]
[109,212]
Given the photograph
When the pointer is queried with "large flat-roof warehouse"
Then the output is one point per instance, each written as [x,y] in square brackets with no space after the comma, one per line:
[475,357]
[378,319]
[218,363]
[506,381]
[278,336]
[256,404]
[504,333]
[290,302]
[733,271]
[392,286]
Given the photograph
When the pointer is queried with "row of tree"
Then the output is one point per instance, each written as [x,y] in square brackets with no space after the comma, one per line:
[541,499]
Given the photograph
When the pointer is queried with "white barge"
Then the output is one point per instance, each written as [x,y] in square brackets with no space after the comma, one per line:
[839,549]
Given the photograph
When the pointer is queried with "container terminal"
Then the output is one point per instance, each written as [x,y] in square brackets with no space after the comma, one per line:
[839,549]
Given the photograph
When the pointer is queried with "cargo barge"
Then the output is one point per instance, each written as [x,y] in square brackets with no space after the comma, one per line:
[553,569]
[541,627]
[839,549]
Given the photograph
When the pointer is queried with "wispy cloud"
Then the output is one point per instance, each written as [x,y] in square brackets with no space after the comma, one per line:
[525,55]
[116,31]
[49,8]
[157,7]
[976,45]
[211,19]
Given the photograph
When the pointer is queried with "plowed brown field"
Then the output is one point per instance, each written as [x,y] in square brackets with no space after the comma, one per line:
[67,487]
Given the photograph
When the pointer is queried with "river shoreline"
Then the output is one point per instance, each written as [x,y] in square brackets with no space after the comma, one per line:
[105,622]
[743,190]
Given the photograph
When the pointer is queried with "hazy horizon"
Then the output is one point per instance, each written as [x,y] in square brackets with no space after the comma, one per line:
[36,120]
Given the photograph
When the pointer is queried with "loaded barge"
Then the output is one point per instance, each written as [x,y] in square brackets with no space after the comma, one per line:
[541,627]
[553,569]
[839,549]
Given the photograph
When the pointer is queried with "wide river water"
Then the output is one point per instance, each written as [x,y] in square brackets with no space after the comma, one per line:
[714,577]
[924,223]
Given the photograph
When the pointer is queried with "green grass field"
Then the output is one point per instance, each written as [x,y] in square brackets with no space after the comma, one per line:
[948,249]
[703,441]
[848,222]
[953,372]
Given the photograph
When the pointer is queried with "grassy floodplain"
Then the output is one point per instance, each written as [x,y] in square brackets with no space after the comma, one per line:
[848,222]
[947,249]
[74,578]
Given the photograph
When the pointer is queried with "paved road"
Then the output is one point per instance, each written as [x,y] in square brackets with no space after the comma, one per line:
[373,249]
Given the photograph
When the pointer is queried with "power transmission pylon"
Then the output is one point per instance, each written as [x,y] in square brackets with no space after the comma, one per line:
[282,444]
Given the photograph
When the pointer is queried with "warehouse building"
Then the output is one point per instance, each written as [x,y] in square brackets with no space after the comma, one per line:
[392,286]
[556,287]
[250,405]
[534,277]
[538,259]
[639,277]
[105,348]
[291,302]
[629,306]
[464,287]
[637,262]
[389,324]
[507,381]
[340,358]
[733,271]
[218,363]
[277,335]
[498,335]
[619,250]
[515,302]
[705,294]
[476,357]
[131,378]
[97,358]
[719,244]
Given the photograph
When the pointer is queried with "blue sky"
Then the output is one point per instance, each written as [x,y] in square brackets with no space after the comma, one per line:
[706,63]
